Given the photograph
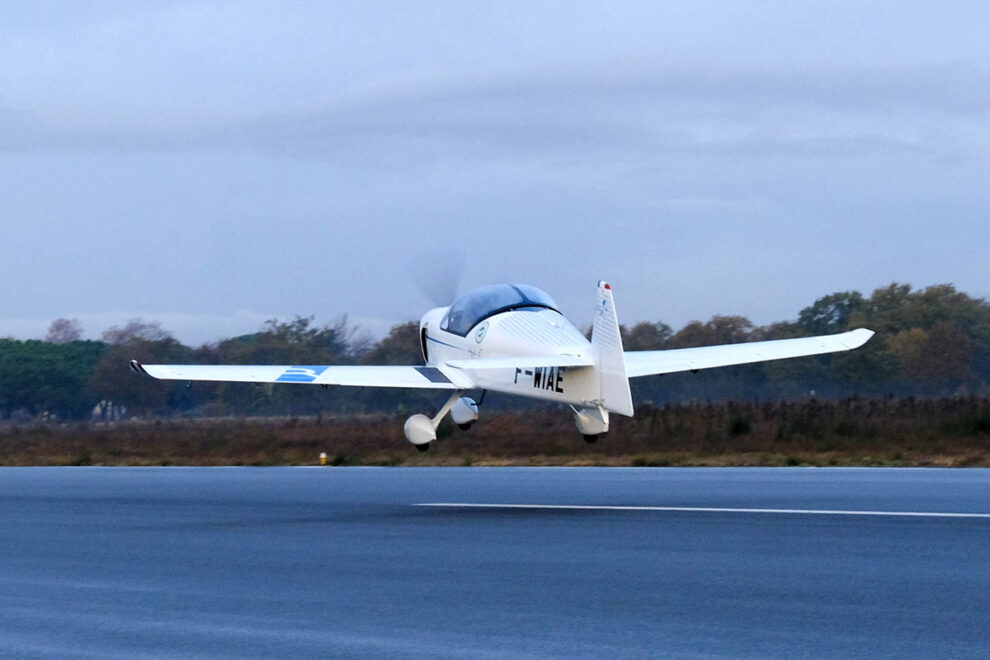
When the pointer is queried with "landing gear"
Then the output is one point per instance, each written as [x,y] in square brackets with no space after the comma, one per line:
[464,412]
[592,423]
[421,430]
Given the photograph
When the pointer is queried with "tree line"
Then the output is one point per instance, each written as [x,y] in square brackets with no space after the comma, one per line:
[930,342]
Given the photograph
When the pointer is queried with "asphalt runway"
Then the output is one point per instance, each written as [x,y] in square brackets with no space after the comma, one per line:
[494,562]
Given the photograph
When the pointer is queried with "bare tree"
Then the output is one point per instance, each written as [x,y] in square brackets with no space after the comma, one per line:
[62,331]
[136,330]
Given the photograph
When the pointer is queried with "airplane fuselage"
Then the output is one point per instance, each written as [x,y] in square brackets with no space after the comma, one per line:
[517,334]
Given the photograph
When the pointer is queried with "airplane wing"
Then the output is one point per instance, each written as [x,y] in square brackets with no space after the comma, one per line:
[437,378]
[647,363]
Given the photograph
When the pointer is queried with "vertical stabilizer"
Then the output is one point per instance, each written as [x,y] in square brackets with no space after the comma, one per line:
[607,342]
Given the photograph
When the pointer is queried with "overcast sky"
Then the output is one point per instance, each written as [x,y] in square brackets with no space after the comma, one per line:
[212,165]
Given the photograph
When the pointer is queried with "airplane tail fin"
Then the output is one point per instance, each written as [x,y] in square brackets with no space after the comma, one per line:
[607,344]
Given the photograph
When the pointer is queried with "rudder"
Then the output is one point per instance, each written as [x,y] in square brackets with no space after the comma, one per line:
[607,343]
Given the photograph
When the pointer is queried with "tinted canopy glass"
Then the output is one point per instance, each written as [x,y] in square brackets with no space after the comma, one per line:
[478,305]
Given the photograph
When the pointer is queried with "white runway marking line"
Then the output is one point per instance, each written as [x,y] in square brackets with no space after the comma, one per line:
[703,509]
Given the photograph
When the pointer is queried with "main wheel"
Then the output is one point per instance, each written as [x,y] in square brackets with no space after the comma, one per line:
[423,447]
[464,427]
[592,439]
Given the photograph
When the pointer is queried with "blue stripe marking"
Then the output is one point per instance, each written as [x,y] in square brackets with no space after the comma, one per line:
[429,338]
[300,374]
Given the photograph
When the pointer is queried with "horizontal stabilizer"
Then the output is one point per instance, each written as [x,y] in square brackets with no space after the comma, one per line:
[647,363]
[358,376]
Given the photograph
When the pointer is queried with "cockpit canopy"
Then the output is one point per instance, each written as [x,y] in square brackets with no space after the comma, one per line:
[475,307]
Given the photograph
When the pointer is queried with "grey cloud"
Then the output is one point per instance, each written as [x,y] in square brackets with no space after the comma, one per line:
[948,88]
[664,110]
[851,146]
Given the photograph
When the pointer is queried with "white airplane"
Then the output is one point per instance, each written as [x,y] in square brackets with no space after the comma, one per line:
[511,338]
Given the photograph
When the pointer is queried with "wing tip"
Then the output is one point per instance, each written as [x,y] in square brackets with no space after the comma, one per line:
[858,337]
[148,370]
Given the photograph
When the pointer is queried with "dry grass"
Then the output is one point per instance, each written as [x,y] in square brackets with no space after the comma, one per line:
[895,432]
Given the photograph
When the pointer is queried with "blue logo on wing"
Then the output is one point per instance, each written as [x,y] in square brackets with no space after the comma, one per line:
[300,374]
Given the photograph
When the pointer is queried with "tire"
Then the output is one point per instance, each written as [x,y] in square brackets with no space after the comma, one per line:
[423,447]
